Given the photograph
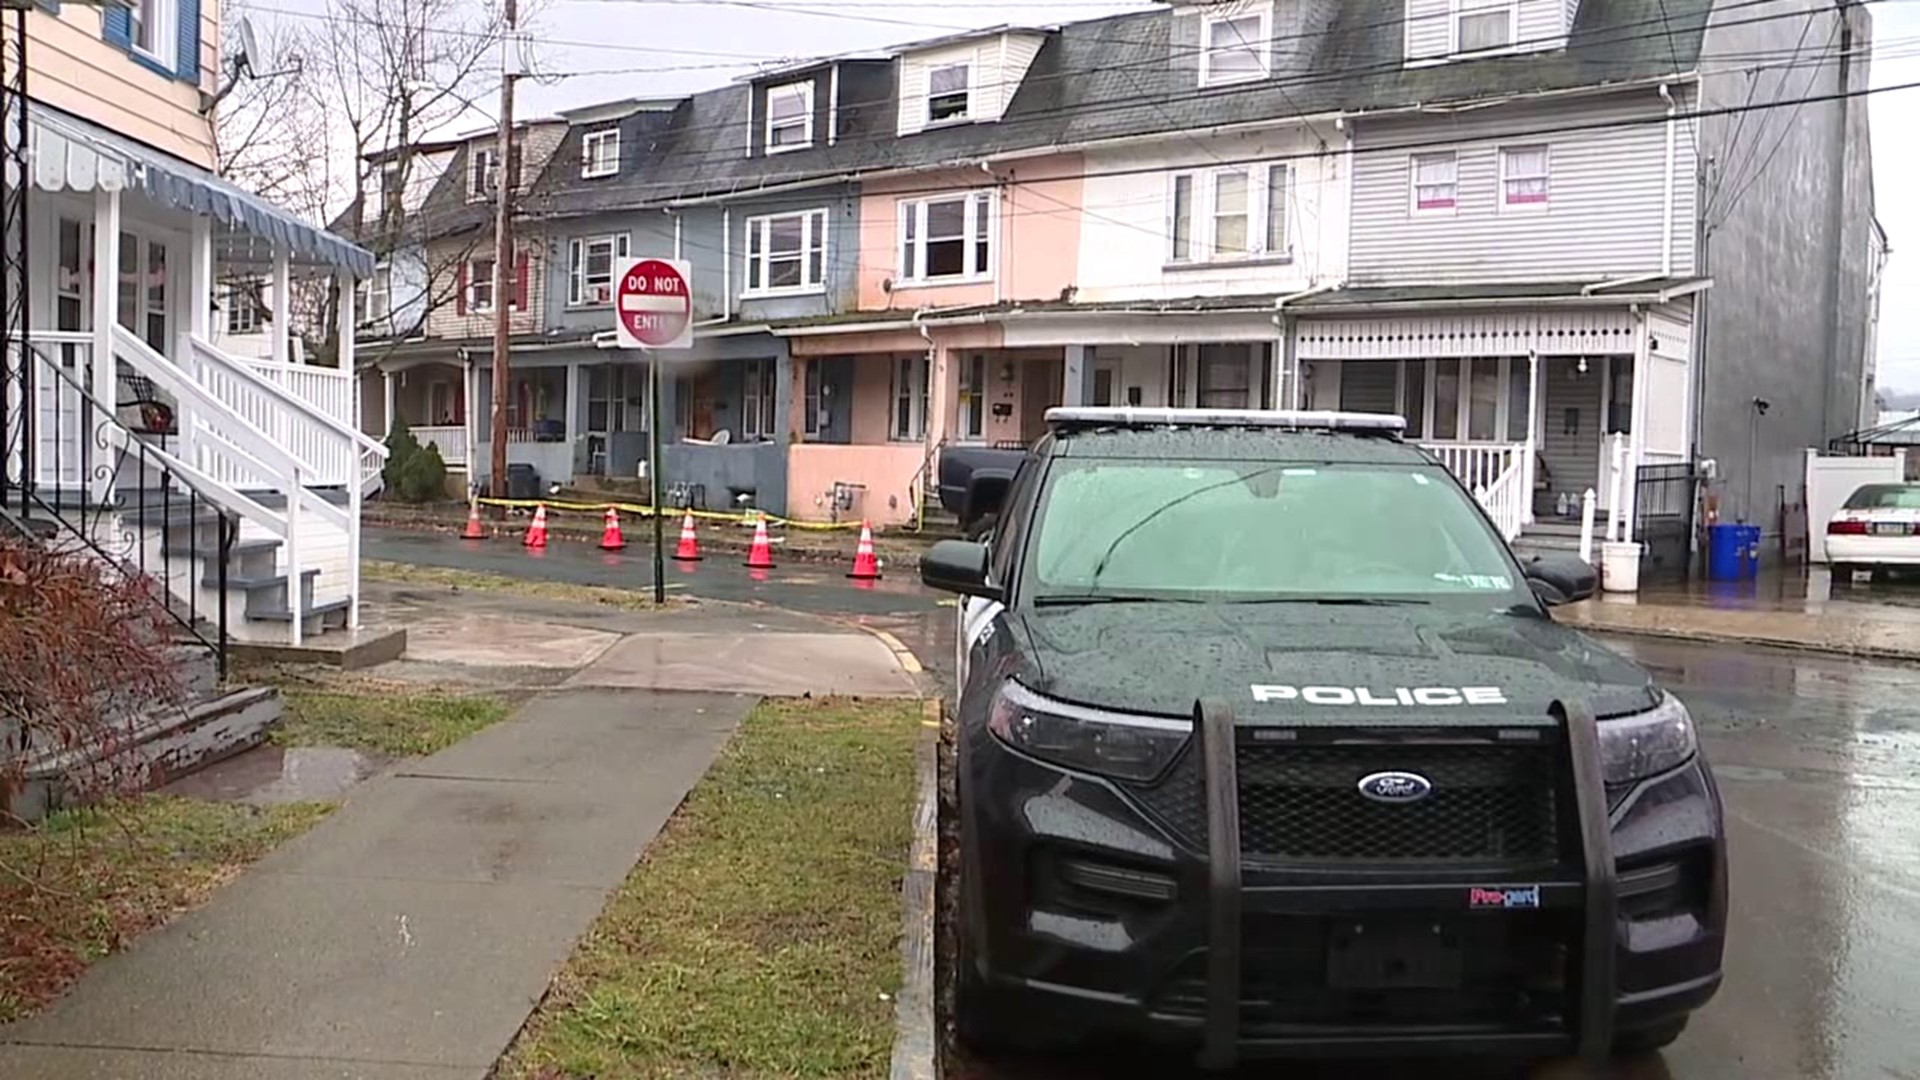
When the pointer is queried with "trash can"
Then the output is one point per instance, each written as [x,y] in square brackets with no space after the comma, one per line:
[1733,552]
[523,483]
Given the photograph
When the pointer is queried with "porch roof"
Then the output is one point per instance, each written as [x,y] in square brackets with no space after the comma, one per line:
[71,154]
[1616,293]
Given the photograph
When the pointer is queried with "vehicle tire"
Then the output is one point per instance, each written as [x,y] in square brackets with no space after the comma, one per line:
[1649,1039]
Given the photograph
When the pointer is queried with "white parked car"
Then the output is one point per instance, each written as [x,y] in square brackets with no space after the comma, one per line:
[1877,529]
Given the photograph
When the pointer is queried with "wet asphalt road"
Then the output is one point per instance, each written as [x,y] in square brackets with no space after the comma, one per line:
[1819,763]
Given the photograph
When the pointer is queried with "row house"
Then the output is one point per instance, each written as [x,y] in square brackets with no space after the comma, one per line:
[1490,216]
[139,422]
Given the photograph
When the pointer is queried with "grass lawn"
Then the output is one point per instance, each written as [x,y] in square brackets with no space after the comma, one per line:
[381,719]
[478,581]
[760,935]
[85,882]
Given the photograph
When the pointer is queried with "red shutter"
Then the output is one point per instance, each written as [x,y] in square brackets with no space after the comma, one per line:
[520,282]
[460,292]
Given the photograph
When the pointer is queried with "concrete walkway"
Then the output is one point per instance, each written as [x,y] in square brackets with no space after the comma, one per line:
[409,935]
[1804,612]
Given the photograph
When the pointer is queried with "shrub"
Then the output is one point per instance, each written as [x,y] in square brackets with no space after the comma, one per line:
[401,449]
[424,477]
[84,648]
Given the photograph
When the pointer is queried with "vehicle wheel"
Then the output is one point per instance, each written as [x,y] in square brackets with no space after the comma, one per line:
[1648,1040]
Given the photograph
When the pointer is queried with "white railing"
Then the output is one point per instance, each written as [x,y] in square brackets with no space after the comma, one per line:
[337,451]
[1477,464]
[452,441]
[1506,498]
[62,449]
[326,389]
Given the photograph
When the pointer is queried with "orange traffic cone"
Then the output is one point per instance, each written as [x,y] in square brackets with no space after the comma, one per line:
[474,530]
[760,556]
[610,539]
[689,549]
[865,566]
[537,532]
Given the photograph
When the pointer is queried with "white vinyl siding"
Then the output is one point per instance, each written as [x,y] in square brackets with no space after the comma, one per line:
[1236,47]
[786,253]
[1228,214]
[592,262]
[948,238]
[790,117]
[995,66]
[1607,189]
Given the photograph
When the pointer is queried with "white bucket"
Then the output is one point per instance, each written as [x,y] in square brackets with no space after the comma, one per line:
[1620,566]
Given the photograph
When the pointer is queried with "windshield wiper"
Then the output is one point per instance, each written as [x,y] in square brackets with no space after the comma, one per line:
[1339,601]
[1076,599]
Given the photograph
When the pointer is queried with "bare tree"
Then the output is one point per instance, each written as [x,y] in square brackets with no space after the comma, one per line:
[270,136]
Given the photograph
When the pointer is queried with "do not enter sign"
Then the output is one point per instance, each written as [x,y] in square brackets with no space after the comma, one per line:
[653,304]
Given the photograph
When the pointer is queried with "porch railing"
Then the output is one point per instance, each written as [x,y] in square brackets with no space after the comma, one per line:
[336,453]
[1505,500]
[326,389]
[452,441]
[1478,465]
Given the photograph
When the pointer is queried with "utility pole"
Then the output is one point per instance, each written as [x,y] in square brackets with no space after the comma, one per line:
[503,259]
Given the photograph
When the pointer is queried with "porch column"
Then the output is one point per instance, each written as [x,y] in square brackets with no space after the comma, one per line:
[783,396]
[102,383]
[282,306]
[1079,375]
[1286,366]
[199,327]
[343,355]
[386,379]
[1528,471]
[576,403]
[470,414]
[349,316]
[942,377]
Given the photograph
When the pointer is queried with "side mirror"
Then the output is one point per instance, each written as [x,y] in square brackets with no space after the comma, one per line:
[958,566]
[1561,579]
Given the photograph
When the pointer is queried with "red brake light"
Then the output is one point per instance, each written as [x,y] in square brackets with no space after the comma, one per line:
[1846,528]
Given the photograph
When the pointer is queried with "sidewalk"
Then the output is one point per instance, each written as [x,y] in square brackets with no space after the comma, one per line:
[1790,611]
[409,935]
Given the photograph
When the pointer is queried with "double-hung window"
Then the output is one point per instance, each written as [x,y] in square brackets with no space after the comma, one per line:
[1523,177]
[483,173]
[1485,25]
[947,238]
[600,153]
[973,397]
[590,268]
[243,308]
[1238,212]
[1436,182]
[1235,47]
[375,294]
[480,285]
[948,88]
[790,117]
[786,253]
[153,28]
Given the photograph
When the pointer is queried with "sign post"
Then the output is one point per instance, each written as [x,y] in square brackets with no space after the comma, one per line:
[653,313]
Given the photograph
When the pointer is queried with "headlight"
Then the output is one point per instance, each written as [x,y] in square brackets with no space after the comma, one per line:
[1647,744]
[1091,740]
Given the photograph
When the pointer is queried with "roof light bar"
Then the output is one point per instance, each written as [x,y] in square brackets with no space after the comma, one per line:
[1294,420]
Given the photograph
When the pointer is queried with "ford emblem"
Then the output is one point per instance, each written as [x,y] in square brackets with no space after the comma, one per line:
[1396,787]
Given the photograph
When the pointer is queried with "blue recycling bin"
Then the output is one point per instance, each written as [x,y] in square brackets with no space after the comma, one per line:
[1733,552]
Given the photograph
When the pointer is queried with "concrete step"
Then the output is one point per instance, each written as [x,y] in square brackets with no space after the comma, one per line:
[316,619]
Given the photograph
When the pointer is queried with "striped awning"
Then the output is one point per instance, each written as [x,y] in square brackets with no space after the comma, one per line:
[71,154]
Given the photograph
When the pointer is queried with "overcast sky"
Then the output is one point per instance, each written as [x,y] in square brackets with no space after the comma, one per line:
[599,50]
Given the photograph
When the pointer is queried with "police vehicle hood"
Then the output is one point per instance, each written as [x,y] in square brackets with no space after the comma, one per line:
[1290,664]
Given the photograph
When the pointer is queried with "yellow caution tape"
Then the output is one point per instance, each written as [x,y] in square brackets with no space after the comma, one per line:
[638,510]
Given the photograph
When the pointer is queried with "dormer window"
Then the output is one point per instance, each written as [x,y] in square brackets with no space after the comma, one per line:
[1485,25]
[1236,47]
[790,117]
[948,89]
[483,173]
[600,153]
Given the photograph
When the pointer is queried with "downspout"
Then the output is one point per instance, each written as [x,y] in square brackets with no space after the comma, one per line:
[1673,149]
[726,263]
[1289,351]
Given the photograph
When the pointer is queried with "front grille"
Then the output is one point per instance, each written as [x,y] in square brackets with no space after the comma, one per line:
[1489,803]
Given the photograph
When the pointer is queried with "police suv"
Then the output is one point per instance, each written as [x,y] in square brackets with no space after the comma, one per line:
[1268,746]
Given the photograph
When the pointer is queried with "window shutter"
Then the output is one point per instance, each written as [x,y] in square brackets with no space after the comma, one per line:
[520,282]
[116,26]
[460,292]
[187,63]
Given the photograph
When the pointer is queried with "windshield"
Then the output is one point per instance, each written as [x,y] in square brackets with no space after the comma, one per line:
[1886,497]
[1257,531]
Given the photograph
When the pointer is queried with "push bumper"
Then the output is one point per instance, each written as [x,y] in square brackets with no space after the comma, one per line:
[1106,922]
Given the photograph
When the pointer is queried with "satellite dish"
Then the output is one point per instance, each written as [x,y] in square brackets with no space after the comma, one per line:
[249,48]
